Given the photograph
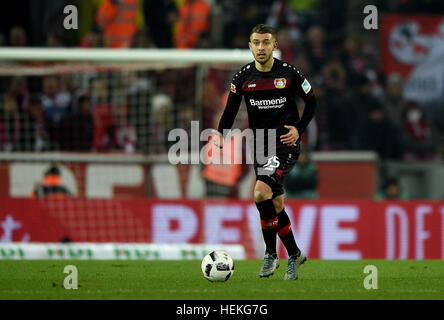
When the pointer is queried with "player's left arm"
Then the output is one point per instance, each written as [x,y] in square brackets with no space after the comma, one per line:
[305,91]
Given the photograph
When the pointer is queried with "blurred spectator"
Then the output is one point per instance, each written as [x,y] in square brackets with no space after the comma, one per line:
[19,90]
[55,100]
[9,124]
[333,16]
[65,239]
[419,135]
[105,111]
[212,101]
[33,131]
[162,121]
[46,16]
[118,20]
[125,134]
[226,166]
[372,70]
[391,191]
[239,17]
[52,186]
[282,14]
[323,136]
[285,45]
[316,47]
[55,40]
[77,128]
[94,39]
[222,179]
[239,40]
[172,84]
[303,180]
[193,24]
[141,40]
[363,99]
[352,56]
[112,131]
[392,99]
[140,89]
[159,19]
[378,134]
[341,116]
[334,75]
[17,37]
[287,13]
[55,103]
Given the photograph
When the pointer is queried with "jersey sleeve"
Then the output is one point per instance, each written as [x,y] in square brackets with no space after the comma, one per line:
[302,85]
[304,91]
[232,106]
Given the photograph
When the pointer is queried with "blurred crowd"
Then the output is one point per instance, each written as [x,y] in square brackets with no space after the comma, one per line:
[360,107]
[102,111]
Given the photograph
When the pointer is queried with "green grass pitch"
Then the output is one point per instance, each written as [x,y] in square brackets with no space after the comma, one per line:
[183,280]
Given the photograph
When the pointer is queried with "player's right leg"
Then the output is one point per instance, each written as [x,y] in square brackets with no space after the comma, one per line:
[264,203]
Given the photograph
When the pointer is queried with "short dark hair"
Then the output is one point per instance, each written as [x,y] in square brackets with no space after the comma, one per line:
[263,28]
[84,98]
[53,170]
[390,182]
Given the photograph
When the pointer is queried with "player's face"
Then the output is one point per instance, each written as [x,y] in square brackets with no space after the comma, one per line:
[262,46]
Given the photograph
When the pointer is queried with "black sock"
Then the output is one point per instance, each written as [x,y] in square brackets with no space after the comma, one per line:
[269,224]
[286,235]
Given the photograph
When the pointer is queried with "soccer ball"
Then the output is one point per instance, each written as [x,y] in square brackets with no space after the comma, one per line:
[217,266]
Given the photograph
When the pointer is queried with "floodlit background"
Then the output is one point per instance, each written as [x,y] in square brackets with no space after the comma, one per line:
[84,136]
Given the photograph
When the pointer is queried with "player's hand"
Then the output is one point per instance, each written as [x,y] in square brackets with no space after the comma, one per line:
[218,139]
[291,137]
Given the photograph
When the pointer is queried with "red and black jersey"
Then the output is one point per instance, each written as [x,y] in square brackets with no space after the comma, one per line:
[270,98]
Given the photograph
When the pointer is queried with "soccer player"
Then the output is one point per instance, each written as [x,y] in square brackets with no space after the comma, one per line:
[270,87]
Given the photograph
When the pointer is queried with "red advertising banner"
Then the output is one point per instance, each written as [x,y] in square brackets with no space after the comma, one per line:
[101,180]
[323,229]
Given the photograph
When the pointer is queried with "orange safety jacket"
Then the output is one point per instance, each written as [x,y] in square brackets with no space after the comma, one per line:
[193,21]
[225,174]
[51,188]
[119,21]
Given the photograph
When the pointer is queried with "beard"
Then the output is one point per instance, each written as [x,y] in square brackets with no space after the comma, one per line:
[267,58]
[263,62]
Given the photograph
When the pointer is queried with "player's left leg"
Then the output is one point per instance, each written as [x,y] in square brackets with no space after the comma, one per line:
[296,256]
[284,227]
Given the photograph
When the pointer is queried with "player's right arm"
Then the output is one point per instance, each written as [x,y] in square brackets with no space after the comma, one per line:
[231,109]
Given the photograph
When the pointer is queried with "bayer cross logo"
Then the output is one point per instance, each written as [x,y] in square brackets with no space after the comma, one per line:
[280,83]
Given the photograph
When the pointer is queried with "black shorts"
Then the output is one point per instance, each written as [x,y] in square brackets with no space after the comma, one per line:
[276,168]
